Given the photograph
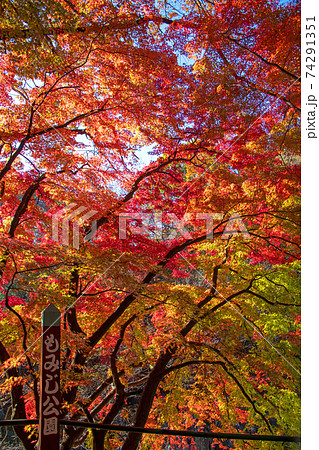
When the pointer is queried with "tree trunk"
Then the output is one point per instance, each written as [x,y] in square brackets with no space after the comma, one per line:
[133,439]
[98,439]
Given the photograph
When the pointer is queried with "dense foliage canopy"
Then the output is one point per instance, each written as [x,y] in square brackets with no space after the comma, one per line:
[176,330]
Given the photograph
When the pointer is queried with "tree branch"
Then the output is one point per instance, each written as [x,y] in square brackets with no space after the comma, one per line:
[282,69]
[23,205]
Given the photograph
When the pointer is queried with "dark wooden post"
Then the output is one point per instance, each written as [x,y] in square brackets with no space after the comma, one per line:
[49,423]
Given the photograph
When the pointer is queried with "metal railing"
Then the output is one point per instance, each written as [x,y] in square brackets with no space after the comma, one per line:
[156,431]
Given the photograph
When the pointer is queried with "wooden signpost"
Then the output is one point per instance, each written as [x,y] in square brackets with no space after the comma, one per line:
[49,423]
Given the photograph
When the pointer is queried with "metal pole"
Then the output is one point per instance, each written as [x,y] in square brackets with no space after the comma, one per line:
[49,423]
[165,432]
[203,434]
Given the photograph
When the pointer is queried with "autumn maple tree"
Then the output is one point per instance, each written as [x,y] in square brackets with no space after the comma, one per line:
[178,329]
